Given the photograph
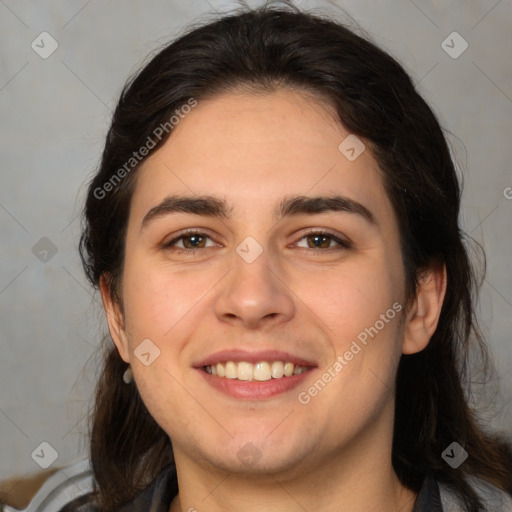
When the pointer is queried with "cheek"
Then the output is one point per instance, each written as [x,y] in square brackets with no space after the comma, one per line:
[157,299]
[161,306]
[350,299]
[362,311]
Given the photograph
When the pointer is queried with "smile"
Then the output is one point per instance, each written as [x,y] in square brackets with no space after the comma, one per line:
[261,371]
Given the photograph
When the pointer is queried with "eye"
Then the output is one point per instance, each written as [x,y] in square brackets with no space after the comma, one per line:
[190,240]
[322,240]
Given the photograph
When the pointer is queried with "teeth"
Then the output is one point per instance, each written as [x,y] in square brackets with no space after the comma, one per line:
[221,370]
[288,369]
[231,370]
[261,371]
[244,371]
[277,370]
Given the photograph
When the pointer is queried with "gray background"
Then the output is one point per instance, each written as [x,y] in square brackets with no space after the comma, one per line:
[54,116]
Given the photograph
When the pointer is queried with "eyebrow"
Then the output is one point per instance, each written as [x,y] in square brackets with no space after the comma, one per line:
[211,206]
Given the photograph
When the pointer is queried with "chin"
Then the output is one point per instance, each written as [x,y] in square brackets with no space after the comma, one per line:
[257,456]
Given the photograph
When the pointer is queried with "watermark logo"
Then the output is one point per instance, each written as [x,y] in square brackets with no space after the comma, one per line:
[44,455]
[147,352]
[454,455]
[249,454]
[44,250]
[139,155]
[304,397]
[351,147]
[454,45]
[249,249]
[44,45]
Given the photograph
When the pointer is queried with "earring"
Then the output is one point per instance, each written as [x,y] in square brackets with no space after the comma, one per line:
[128,375]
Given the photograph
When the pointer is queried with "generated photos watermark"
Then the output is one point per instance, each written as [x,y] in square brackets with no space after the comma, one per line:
[145,149]
[305,397]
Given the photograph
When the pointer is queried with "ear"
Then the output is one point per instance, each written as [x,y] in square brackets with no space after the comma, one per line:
[423,316]
[115,320]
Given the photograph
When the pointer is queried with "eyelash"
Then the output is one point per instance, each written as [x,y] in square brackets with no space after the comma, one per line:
[343,244]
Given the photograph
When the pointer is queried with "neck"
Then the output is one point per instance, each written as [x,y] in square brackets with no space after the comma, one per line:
[357,478]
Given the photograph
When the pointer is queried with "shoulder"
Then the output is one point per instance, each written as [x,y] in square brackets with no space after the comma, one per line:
[81,504]
[72,484]
[157,496]
[493,498]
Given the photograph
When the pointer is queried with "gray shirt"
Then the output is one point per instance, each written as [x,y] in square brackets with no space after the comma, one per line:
[432,497]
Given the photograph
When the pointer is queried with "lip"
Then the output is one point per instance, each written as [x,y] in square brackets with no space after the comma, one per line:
[237,356]
[254,390]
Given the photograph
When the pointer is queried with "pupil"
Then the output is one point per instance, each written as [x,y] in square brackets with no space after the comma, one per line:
[320,238]
[191,239]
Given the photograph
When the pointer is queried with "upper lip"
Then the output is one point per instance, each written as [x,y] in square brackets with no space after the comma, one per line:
[238,355]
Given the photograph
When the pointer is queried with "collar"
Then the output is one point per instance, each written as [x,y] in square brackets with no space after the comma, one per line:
[429,498]
[158,495]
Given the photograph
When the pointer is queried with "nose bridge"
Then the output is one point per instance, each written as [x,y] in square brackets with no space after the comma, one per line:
[254,290]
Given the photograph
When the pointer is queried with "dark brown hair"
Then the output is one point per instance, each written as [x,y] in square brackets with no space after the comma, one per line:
[260,50]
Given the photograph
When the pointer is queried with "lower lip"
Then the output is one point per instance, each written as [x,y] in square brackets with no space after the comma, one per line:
[254,390]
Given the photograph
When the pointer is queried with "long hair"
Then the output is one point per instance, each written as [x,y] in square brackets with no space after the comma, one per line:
[260,50]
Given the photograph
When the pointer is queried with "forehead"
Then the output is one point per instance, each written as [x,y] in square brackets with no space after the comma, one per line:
[255,149]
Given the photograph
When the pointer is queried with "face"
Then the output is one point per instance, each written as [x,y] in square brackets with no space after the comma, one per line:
[318,285]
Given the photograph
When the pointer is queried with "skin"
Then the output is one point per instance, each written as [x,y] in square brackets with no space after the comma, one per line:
[252,150]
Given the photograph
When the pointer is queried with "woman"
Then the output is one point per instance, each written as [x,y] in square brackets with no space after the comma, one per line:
[274,232]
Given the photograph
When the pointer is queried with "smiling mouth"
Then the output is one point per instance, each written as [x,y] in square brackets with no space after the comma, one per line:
[261,372]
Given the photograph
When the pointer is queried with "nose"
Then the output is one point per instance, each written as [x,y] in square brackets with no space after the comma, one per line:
[255,294]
